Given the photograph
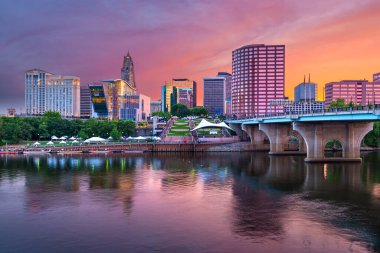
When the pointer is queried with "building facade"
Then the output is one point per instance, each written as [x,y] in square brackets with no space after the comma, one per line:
[376,77]
[227,108]
[178,91]
[213,95]
[258,76]
[155,106]
[304,107]
[305,92]
[128,71]
[85,102]
[358,91]
[99,101]
[135,107]
[45,91]
[115,91]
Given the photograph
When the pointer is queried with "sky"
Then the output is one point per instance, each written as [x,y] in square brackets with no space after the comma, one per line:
[330,39]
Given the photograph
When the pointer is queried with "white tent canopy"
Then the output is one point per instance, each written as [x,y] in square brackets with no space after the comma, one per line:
[75,141]
[205,124]
[50,143]
[95,139]
[54,138]
[140,138]
[36,143]
[63,138]
[72,138]
[62,142]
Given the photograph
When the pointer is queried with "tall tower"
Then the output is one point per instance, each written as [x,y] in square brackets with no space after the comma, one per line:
[128,71]
[258,73]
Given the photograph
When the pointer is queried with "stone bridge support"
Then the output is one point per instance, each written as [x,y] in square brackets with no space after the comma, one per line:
[237,127]
[256,135]
[317,134]
[278,136]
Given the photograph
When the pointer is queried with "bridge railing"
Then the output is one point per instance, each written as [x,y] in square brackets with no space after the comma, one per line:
[331,111]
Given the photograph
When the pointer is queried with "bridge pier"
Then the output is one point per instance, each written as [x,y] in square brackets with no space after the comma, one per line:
[237,127]
[257,137]
[279,134]
[317,134]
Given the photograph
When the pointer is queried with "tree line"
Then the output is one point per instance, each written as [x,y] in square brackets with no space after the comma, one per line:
[14,130]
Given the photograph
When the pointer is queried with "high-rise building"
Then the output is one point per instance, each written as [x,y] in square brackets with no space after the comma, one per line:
[45,91]
[376,77]
[85,102]
[227,92]
[155,106]
[115,90]
[305,92]
[307,107]
[99,101]
[178,91]
[213,95]
[258,76]
[135,107]
[358,91]
[128,71]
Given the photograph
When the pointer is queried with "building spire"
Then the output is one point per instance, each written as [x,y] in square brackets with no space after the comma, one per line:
[309,77]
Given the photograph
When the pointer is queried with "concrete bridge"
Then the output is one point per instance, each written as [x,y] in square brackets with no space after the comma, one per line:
[312,130]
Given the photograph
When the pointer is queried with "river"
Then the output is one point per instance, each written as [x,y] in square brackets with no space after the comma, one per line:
[170,202]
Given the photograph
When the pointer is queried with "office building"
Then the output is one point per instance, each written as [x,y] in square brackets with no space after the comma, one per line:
[128,71]
[85,102]
[258,76]
[99,101]
[178,91]
[227,108]
[213,95]
[304,107]
[135,107]
[376,77]
[305,92]
[45,91]
[155,106]
[115,90]
[358,91]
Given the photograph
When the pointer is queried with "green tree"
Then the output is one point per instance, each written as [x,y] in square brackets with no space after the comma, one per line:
[199,111]
[115,134]
[180,110]
[339,103]
[161,114]
[125,127]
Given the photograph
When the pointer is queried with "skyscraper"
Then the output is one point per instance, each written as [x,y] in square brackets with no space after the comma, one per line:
[85,102]
[258,76]
[128,71]
[305,92]
[45,91]
[213,94]
[376,77]
[227,92]
[180,90]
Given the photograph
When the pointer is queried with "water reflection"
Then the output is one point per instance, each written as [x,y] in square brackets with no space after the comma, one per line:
[251,200]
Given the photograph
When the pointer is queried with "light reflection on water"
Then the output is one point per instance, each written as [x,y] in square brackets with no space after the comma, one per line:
[218,202]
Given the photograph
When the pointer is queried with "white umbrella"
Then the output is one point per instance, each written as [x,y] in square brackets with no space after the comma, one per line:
[130,138]
[63,138]
[110,138]
[140,138]
[72,138]
[36,143]
[50,143]
[54,138]
[62,142]
[95,139]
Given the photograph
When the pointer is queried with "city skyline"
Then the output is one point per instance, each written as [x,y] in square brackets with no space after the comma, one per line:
[326,42]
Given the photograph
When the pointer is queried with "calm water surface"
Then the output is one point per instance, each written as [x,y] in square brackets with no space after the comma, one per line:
[234,202]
